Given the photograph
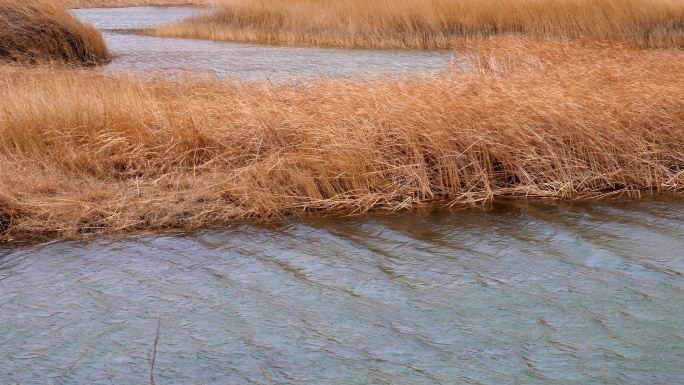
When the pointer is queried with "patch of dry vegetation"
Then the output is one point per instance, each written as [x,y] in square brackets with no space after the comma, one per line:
[134,3]
[81,151]
[43,31]
[435,24]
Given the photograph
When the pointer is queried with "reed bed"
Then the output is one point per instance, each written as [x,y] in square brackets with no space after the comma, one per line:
[83,152]
[43,31]
[434,24]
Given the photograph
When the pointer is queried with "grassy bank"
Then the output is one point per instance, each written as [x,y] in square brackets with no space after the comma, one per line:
[435,24]
[83,152]
[134,3]
[43,31]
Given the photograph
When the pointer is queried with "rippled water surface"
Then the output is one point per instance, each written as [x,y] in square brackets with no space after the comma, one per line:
[242,61]
[524,292]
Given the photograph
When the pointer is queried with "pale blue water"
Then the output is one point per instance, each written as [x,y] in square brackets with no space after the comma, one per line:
[534,292]
[142,54]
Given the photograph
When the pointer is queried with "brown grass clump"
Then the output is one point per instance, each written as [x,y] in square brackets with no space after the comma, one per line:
[81,151]
[435,24]
[134,3]
[43,31]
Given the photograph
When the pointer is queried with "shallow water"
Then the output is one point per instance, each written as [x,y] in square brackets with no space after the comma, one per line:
[524,292]
[242,61]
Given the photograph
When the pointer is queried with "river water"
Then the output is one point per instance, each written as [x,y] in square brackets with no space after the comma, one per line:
[143,54]
[521,292]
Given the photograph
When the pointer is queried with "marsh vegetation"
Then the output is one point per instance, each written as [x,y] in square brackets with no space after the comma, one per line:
[83,151]
[435,24]
[43,31]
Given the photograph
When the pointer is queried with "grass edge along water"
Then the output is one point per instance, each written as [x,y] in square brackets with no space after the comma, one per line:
[83,151]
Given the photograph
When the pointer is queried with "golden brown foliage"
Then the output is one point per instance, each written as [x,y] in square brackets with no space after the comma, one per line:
[42,31]
[82,151]
[435,24]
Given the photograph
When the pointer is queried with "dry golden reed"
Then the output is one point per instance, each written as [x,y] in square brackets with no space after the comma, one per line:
[81,151]
[435,24]
[43,31]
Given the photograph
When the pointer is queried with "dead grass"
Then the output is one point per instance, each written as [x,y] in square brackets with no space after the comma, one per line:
[435,24]
[135,3]
[84,152]
[43,31]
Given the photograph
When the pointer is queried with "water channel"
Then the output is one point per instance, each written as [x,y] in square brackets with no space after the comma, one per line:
[141,54]
[533,292]
[521,292]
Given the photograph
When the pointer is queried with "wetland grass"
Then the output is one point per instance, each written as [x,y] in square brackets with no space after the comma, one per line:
[82,151]
[43,31]
[434,24]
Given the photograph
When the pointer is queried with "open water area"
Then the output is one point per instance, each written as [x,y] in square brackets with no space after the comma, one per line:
[144,54]
[518,292]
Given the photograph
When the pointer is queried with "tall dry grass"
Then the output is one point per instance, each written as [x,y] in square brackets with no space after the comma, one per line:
[43,31]
[435,24]
[81,151]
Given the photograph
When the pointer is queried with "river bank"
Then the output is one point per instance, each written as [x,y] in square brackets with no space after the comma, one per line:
[85,152]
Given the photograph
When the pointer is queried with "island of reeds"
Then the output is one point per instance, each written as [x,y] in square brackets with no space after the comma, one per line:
[43,31]
[85,152]
[434,24]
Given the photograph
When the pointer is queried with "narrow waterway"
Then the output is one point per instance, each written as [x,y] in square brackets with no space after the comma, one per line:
[522,292]
[143,54]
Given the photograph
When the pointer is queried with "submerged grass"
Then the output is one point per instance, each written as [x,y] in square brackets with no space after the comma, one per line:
[435,24]
[43,31]
[84,152]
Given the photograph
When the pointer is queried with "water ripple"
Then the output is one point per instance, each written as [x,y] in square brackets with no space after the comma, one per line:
[526,292]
